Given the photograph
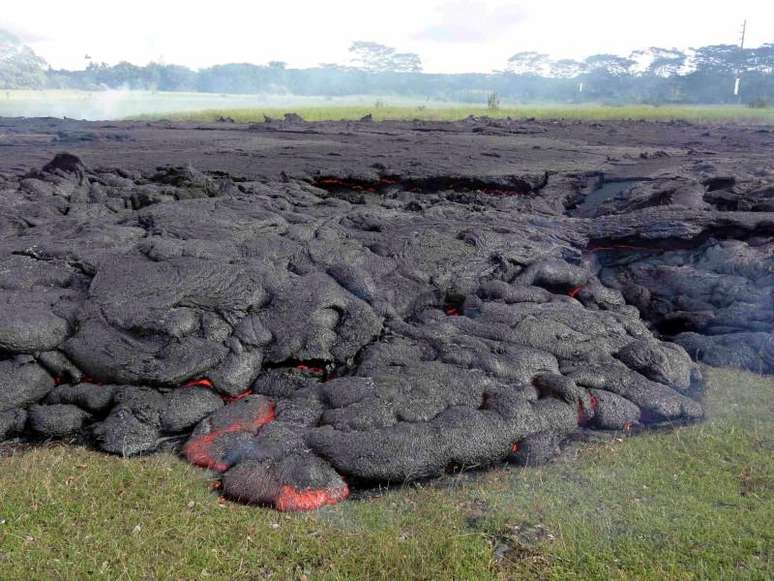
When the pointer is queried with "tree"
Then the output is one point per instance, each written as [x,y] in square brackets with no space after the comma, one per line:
[719,59]
[662,62]
[763,59]
[529,63]
[169,77]
[566,69]
[20,67]
[609,65]
[378,58]
[653,75]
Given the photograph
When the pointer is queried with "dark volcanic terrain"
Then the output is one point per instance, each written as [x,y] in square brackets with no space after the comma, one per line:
[303,307]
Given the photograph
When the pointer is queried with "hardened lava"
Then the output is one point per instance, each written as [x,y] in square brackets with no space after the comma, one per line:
[308,332]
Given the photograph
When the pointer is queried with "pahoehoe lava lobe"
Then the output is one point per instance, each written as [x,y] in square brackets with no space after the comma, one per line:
[349,322]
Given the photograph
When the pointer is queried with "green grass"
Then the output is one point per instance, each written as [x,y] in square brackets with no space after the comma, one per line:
[719,114]
[205,107]
[695,503]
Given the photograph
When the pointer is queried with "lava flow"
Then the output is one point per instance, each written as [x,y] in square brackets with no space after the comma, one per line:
[291,499]
[201,450]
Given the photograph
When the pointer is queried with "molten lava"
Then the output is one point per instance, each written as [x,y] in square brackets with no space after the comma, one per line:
[206,383]
[583,416]
[291,499]
[333,183]
[199,451]
[232,398]
[314,370]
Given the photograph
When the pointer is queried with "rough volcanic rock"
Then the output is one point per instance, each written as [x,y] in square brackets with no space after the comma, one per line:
[56,420]
[186,407]
[12,422]
[22,382]
[402,309]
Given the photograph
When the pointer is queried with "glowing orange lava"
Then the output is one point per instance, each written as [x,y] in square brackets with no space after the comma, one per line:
[291,499]
[206,383]
[233,398]
[197,450]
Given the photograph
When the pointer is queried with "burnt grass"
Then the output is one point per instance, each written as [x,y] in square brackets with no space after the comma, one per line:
[309,308]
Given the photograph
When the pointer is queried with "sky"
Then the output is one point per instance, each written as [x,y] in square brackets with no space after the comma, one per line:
[451,36]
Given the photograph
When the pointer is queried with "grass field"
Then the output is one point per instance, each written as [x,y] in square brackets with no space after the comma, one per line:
[201,107]
[587,112]
[696,503]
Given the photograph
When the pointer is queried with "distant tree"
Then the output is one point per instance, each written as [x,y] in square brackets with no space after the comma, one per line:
[609,64]
[719,58]
[241,78]
[493,101]
[20,67]
[169,77]
[529,63]
[762,59]
[378,58]
[124,75]
[653,75]
[566,69]
[334,66]
[662,62]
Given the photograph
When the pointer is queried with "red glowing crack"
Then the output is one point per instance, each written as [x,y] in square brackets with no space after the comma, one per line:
[583,416]
[206,383]
[310,369]
[237,397]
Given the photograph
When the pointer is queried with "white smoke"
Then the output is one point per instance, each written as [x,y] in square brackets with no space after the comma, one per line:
[116,104]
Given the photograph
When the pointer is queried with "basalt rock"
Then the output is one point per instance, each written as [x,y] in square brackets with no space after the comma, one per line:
[380,322]
[56,420]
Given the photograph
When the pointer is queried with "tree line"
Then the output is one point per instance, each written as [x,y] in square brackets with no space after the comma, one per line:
[654,76]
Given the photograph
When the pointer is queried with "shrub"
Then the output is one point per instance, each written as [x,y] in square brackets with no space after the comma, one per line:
[493,101]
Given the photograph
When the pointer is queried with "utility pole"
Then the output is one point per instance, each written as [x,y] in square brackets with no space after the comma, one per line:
[738,81]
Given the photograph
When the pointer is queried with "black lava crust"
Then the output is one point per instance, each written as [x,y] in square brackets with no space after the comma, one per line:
[305,306]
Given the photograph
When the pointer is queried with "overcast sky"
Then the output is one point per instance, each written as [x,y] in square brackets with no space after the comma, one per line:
[449,35]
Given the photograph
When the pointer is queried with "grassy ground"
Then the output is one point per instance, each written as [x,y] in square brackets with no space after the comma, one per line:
[587,112]
[201,107]
[696,503]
